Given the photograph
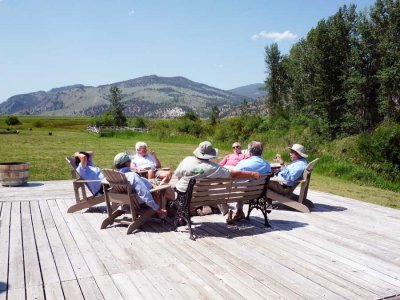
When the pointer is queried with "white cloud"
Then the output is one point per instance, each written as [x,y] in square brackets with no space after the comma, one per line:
[276,36]
[131,12]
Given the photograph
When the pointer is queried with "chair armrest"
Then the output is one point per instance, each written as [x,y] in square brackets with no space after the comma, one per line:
[278,180]
[160,188]
[85,180]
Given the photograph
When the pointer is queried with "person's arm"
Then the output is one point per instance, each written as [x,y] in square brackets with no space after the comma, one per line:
[245,174]
[83,158]
[223,161]
[157,161]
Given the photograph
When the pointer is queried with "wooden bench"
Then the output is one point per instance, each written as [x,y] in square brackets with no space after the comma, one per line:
[212,192]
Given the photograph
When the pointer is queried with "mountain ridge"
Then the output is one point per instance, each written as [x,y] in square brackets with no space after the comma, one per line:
[149,96]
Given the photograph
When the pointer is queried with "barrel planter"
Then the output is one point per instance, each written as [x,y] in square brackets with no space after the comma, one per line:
[14,173]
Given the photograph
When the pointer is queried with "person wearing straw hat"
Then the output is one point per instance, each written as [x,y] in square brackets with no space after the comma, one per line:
[288,174]
[201,166]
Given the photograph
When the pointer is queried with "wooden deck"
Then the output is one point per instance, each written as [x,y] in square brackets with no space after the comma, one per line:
[344,249]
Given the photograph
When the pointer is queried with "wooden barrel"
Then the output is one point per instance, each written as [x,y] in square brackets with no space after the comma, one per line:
[14,173]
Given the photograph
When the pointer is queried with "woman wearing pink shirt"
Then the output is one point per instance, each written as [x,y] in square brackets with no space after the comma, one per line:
[231,160]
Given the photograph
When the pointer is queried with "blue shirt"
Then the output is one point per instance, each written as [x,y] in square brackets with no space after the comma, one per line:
[255,164]
[90,172]
[292,172]
[141,186]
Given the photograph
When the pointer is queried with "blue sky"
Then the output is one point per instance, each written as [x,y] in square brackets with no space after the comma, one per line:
[49,43]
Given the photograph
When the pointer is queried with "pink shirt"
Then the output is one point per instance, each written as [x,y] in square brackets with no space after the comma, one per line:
[232,159]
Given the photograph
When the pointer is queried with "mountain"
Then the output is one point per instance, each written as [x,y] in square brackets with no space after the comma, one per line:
[149,96]
[251,91]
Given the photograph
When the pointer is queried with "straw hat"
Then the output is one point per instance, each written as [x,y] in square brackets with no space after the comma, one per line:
[205,150]
[299,149]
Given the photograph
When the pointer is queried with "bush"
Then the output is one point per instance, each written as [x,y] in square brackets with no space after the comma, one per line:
[138,122]
[10,121]
[380,150]
[38,124]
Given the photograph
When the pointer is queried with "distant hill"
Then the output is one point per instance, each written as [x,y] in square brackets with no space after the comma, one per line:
[149,96]
[251,91]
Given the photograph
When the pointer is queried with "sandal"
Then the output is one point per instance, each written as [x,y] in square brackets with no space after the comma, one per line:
[230,220]
[239,216]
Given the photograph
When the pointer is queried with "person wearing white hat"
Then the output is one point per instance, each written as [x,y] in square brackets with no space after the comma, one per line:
[201,166]
[289,173]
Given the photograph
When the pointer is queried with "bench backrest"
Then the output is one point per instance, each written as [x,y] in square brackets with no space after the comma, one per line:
[216,191]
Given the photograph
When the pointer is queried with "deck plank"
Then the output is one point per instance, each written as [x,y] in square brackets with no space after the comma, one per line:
[16,276]
[31,259]
[4,246]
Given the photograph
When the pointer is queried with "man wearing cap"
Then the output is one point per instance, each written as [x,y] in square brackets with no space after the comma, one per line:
[200,166]
[231,160]
[141,185]
[285,179]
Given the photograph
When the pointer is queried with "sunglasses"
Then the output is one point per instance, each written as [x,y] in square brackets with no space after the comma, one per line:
[234,147]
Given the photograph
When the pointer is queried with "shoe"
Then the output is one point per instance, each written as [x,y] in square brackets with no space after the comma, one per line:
[239,216]
[230,220]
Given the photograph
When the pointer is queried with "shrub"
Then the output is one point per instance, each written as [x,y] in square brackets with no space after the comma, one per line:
[10,121]
[38,124]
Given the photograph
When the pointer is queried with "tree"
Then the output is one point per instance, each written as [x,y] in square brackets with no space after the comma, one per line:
[276,82]
[117,107]
[244,109]
[214,115]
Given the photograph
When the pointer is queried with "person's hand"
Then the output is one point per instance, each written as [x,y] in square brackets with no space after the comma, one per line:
[278,159]
[256,175]
[152,153]
[162,213]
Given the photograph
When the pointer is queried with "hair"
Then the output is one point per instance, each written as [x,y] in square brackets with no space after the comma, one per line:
[255,148]
[140,144]
[78,160]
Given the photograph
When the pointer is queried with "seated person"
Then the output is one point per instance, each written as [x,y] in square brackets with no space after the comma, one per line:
[143,161]
[288,174]
[141,185]
[201,166]
[254,163]
[86,169]
[231,160]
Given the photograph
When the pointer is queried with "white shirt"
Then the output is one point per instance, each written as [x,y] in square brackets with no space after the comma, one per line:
[143,162]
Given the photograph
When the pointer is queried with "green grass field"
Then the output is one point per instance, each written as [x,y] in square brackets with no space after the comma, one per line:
[45,154]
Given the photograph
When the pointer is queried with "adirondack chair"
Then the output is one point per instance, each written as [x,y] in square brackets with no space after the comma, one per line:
[118,190]
[83,200]
[298,202]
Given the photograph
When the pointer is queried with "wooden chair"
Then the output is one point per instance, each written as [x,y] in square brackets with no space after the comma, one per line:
[118,190]
[298,202]
[83,200]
